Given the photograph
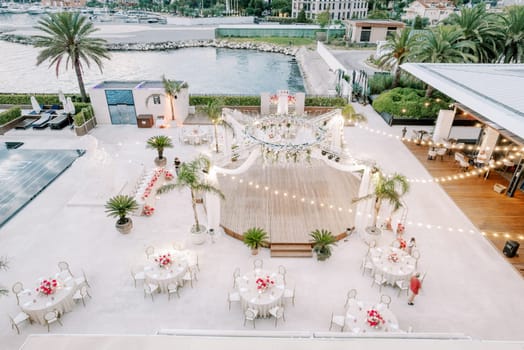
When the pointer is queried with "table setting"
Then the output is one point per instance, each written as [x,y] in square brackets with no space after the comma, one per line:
[393,263]
[366,317]
[165,268]
[261,290]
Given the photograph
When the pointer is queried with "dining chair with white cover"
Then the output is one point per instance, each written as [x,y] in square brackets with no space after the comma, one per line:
[282,271]
[250,315]
[379,279]
[232,297]
[352,295]
[278,313]
[190,276]
[149,251]
[367,265]
[172,288]
[81,294]
[289,294]
[82,280]
[385,300]
[258,264]
[18,320]
[441,152]
[63,266]
[402,285]
[138,274]
[150,289]
[236,276]
[338,320]
[52,317]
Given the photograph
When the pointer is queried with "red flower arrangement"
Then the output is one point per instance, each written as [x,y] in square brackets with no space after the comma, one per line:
[273,99]
[148,210]
[393,257]
[47,287]
[164,260]
[168,176]
[374,318]
[264,283]
[402,243]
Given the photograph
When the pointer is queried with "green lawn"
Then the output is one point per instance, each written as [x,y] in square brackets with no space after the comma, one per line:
[277,41]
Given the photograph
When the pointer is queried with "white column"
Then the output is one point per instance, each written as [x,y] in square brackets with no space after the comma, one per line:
[443,125]
[282,107]
[489,141]
[300,102]
[264,103]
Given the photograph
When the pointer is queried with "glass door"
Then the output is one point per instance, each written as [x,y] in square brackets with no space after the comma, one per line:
[121,106]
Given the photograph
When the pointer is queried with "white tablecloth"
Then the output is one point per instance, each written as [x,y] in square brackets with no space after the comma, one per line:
[163,276]
[356,317]
[392,271]
[195,137]
[251,297]
[36,305]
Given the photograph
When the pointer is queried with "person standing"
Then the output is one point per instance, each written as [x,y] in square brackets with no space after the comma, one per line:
[414,287]
[177,163]
[411,245]
[404,131]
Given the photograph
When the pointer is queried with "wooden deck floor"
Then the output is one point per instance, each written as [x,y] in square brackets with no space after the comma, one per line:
[499,216]
[288,219]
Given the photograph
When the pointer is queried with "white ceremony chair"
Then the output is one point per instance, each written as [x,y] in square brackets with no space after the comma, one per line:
[190,276]
[402,285]
[172,288]
[289,294]
[282,271]
[379,279]
[277,312]
[352,295]
[150,289]
[178,246]
[82,280]
[81,294]
[232,297]
[367,265]
[63,266]
[372,244]
[416,255]
[250,315]
[138,274]
[18,320]
[236,276]
[258,264]
[17,289]
[338,320]
[193,263]
[385,300]
[149,251]
[52,317]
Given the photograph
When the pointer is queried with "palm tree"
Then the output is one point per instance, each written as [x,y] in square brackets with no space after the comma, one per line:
[513,42]
[69,39]
[191,176]
[322,241]
[171,89]
[443,44]
[159,143]
[398,48]
[213,109]
[387,188]
[483,29]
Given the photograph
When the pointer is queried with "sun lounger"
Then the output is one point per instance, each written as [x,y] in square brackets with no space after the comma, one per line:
[59,122]
[25,124]
[42,122]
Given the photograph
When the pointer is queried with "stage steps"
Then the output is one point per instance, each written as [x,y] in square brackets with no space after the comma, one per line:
[291,250]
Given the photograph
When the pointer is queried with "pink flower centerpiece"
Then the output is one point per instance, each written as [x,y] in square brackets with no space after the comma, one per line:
[168,176]
[401,243]
[164,260]
[148,210]
[374,318]
[47,286]
[264,283]
[393,257]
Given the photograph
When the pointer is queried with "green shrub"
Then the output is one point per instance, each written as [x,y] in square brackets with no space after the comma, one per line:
[203,100]
[318,101]
[25,99]
[10,114]
[381,82]
[410,103]
[84,115]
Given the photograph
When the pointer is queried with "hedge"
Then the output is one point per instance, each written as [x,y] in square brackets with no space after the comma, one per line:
[25,99]
[381,82]
[410,103]
[84,115]
[319,101]
[10,114]
[313,101]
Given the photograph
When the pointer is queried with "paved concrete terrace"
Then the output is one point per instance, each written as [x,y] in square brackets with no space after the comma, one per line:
[469,287]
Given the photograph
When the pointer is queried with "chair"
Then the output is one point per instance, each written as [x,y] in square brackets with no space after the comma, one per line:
[178,246]
[421,279]
[138,275]
[402,285]
[258,264]
[52,317]
[464,166]
[64,266]
[282,271]
[395,244]
[385,300]
[379,279]
[232,297]
[277,312]
[18,320]
[82,280]
[236,276]
[441,152]
[81,294]
[367,265]
[352,295]
[150,251]
[289,294]
[150,288]
[372,244]
[190,276]
[416,255]
[193,264]
[17,289]
[172,288]
[432,154]
[339,320]
[251,315]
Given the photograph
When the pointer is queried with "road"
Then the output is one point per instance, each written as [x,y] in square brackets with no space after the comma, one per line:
[355,59]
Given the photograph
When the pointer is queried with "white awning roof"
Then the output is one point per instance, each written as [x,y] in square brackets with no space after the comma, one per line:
[494,91]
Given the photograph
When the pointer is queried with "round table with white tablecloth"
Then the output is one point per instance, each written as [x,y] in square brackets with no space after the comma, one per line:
[358,314]
[36,304]
[166,274]
[261,300]
[393,263]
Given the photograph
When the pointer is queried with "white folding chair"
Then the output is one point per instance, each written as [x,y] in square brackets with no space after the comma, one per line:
[17,289]
[402,285]
[385,300]
[379,279]
[250,315]
[82,280]
[236,276]
[289,294]
[352,295]
[138,274]
[150,288]
[277,312]
[190,276]
[178,246]
[338,320]
[367,265]
[149,251]
[81,294]
[282,271]
[258,264]
[64,266]
[232,297]
[18,320]
[193,263]
[172,288]
[52,317]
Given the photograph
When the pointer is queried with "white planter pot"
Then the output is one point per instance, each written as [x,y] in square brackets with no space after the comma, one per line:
[198,237]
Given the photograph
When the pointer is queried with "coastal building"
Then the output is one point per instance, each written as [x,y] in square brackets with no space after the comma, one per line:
[434,10]
[371,31]
[64,3]
[339,9]
[136,102]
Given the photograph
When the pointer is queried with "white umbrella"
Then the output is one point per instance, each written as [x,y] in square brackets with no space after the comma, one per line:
[70,106]
[62,98]
[35,105]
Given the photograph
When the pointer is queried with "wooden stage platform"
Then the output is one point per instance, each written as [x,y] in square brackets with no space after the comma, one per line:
[287,219]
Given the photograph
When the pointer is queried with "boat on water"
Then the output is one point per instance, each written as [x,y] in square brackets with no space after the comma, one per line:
[36,10]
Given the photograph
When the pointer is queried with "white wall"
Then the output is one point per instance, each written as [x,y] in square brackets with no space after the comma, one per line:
[328,57]
[464,132]
[443,125]
[100,108]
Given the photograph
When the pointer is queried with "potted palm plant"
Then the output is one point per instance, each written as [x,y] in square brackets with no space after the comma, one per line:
[322,241]
[254,238]
[214,111]
[387,188]
[119,206]
[159,143]
[191,175]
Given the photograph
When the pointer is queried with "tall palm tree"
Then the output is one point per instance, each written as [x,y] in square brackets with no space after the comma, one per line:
[387,188]
[69,38]
[171,89]
[398,48]
[213,109]
[513,42]
[483,29]
[443,44]
[191,176]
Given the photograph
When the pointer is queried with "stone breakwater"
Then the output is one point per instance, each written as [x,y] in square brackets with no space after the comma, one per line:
[174,45]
